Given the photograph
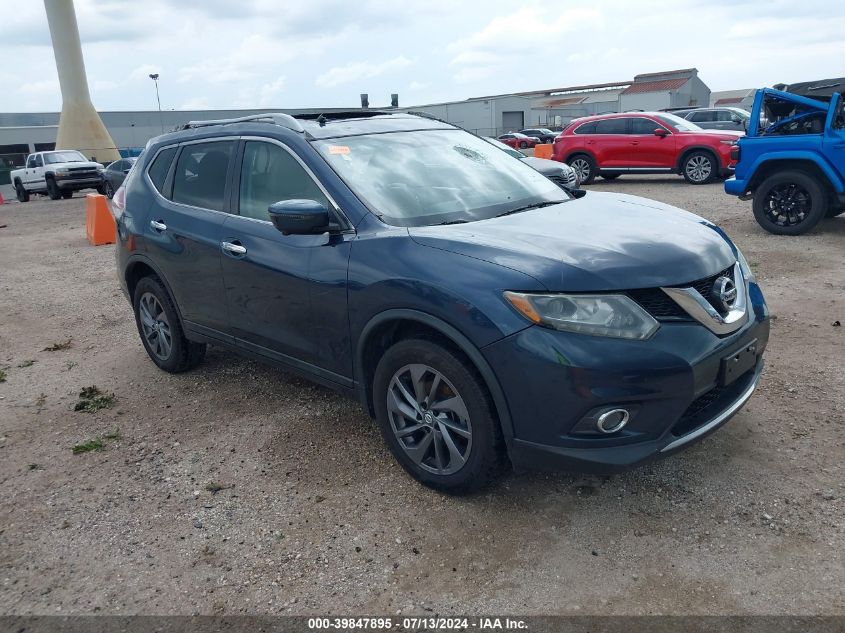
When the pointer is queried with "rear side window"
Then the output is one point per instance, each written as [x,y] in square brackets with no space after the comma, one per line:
[200,178]
[270,174]
[703,117]
[612,126]
[586,128]
[161,165]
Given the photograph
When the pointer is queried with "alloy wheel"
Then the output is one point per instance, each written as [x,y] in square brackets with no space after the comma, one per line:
[429,419]
[698,168]
[155,326]
[788,204]
[582,169]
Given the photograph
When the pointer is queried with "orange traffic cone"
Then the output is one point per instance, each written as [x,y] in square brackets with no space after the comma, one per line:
[99,223]
[2,201]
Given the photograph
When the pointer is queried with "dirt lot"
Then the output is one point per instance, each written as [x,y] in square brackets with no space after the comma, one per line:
[313,516]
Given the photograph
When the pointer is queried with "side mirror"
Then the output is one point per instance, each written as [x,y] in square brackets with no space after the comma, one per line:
[660,132]
[299,217]
[125,171]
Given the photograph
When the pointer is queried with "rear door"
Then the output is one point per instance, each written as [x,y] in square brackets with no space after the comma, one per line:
[184,229]
[611,142]
[648,150]
[834,137]
[286,293]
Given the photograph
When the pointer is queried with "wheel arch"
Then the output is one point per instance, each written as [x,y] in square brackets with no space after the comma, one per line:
[391,326]
[139,267]
[770,167]
[577,152]
[679,166]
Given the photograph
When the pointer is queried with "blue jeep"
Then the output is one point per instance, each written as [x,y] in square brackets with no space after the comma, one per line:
[792,159]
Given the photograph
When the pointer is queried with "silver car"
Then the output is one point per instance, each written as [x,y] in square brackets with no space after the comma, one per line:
[716,118]
[560,173]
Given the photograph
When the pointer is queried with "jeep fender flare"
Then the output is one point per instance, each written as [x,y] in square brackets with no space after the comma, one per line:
[836,181]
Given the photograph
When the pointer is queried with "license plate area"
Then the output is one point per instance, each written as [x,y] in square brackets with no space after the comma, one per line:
[735,365]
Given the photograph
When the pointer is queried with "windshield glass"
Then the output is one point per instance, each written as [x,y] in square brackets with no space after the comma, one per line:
[64,157]
[433,177]
[677,122]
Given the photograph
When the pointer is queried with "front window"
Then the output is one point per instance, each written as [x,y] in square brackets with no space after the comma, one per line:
[64,157]
[435,177]
[682,125]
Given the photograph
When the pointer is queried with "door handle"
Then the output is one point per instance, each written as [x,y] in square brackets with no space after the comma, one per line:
[233,247]
[635,142]
[158,226]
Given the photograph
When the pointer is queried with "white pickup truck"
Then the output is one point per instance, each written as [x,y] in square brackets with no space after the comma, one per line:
[58,174]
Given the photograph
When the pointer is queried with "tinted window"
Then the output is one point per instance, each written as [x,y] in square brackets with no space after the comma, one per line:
[118,165]
[270,174]
[702,117]
[586,128]
[30,162]
[39,162]
[612,126]
[200,178]
[160,167]
[643,126]
[507,136]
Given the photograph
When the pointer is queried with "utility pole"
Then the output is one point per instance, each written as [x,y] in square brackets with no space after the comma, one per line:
[154,77]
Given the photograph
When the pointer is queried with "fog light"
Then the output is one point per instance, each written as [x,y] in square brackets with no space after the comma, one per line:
[612,421]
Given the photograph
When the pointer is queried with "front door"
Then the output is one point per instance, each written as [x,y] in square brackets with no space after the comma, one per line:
[267,275]
[647,149]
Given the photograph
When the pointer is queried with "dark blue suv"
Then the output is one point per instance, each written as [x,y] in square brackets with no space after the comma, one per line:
[478,311]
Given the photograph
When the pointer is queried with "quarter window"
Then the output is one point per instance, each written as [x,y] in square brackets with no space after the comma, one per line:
[160,167]
[586,128]
[200,179]
[270,174]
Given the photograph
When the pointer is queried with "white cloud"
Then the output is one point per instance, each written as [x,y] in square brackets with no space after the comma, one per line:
[360,70]
[43,87]
[196,103]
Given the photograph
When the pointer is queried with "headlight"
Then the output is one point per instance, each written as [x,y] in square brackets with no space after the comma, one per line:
[62,172]
[728,142]
[744,267]
[599,315]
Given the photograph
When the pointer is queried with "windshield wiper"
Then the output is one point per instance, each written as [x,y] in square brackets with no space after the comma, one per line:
[452,222]
[527,207]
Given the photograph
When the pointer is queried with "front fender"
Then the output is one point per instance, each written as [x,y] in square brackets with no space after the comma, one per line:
[744,175]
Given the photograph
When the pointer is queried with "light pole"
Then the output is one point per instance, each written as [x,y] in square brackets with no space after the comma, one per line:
[154,77]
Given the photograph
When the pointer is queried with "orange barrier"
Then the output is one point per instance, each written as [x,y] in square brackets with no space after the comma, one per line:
[99,223]
[543,150]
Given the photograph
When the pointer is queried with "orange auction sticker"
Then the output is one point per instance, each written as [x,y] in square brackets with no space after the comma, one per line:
[338,149]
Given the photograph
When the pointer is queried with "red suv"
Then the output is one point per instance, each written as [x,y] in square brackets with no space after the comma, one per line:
[610,145]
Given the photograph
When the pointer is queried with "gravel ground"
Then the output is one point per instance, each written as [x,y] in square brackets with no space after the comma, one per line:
[239,489]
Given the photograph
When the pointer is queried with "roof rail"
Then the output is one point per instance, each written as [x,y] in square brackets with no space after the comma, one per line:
[276,118]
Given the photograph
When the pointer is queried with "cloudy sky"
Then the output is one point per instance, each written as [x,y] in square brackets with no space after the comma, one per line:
[310,53]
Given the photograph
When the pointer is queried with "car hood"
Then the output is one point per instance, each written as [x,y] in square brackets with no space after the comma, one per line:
[547,167]
[603,241]
[726,134]
[75,165]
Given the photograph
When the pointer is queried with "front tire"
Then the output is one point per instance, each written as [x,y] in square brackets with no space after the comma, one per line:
[789,203]
[585,168]
[21,193]
[53,190]
[700,168]
[161,330]
[523,145]
[436,417]
[67,194]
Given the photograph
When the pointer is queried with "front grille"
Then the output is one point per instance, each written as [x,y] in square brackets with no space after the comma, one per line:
[708,405]
[659,305]
[83,171]
[564,181]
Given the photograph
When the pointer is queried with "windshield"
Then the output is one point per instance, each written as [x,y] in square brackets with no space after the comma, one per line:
[64,157]
[677,122]
[506,148]
[435,177]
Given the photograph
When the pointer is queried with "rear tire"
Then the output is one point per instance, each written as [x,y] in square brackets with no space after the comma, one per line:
[455,442]
[700,168]
[53,189]
[21,193]
[610,176]
[584,166]
[161,330]
[790,202]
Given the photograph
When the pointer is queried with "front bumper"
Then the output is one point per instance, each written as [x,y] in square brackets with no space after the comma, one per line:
[74,183]
[554,381]
[736,187]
